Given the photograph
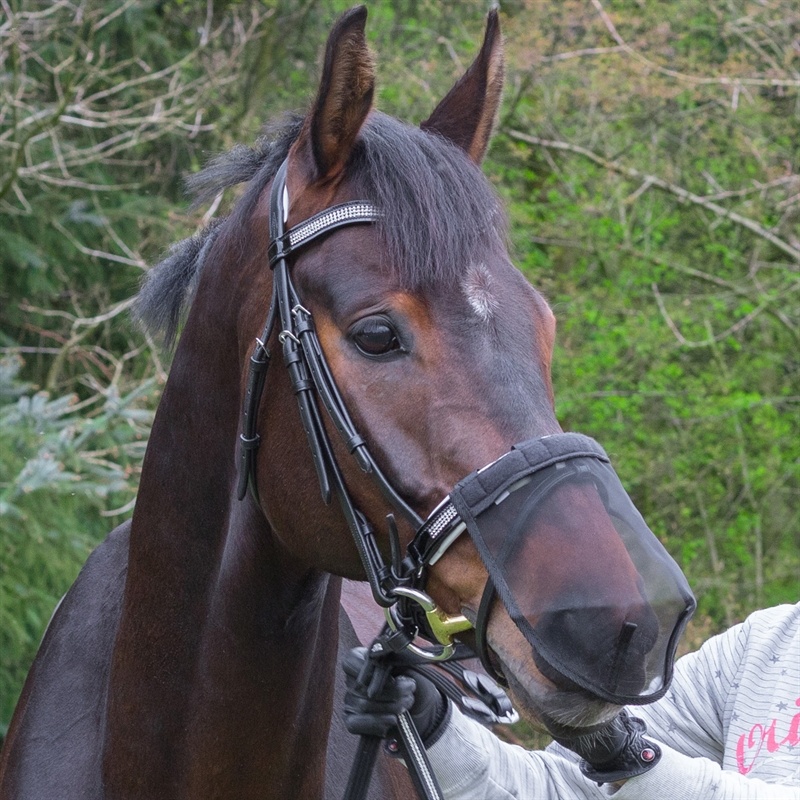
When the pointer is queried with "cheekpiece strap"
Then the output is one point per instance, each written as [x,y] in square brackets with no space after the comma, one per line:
[353,213]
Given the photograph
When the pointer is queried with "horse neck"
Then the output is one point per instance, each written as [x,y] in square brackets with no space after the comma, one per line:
[281,621]
[218,625]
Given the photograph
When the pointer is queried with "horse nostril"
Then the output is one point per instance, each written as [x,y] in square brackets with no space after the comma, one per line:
[593,644]
[625,637]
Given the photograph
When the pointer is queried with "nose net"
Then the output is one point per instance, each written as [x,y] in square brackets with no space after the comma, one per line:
[595,594]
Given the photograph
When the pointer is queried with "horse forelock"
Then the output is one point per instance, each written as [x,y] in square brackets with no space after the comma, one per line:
[440,212]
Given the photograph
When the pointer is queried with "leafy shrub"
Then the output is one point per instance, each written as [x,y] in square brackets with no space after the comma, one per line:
[68,473]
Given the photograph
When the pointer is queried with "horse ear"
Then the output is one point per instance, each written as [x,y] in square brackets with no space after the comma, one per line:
[468,113]
[345,94]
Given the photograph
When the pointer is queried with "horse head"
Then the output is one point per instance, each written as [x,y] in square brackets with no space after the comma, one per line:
[441,352]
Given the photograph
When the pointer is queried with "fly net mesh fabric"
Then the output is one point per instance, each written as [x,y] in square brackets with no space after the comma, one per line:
[595,594]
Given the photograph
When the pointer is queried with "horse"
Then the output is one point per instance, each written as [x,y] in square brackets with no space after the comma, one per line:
[196,654]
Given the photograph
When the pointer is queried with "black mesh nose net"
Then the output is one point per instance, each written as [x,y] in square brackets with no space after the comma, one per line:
[595,594]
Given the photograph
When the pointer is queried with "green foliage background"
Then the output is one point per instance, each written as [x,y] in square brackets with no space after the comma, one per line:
[648,153]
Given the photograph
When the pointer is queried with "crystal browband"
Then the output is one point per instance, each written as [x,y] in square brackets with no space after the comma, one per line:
[352,213]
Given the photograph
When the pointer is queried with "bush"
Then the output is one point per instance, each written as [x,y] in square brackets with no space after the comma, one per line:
[67,476]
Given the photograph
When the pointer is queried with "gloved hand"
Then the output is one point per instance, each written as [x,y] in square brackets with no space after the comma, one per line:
[612,752]
[373,699]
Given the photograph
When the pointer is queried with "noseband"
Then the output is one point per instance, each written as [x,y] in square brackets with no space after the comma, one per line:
[397,587]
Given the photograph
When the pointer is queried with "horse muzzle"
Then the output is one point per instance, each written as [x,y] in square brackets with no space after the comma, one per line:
[596,596]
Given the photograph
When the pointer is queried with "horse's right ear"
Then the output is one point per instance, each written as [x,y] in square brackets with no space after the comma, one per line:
[344,98]
[468,112]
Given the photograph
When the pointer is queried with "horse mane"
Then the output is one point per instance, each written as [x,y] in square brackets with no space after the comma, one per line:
[440,211]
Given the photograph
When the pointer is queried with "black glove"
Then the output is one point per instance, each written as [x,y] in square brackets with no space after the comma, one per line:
[614,751]
[375,698]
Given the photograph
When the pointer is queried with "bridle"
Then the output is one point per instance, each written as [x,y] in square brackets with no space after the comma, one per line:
[399,587]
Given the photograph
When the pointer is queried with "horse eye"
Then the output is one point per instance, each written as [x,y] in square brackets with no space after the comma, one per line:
[375,337]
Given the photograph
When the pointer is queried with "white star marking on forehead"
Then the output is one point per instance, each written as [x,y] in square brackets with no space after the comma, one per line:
[477,286]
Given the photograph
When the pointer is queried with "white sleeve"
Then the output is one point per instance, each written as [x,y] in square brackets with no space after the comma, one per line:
[471,763]
[690,715]
[679,777]
[694,717]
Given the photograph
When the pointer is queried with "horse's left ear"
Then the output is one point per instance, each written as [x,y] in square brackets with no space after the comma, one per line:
[345,95]
[468,113]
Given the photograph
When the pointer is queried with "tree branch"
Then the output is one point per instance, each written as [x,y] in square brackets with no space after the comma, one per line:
[722,80]
[652,180]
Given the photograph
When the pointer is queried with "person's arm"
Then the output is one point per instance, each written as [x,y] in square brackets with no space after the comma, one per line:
[680,777]
[690,715]
[471,763]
